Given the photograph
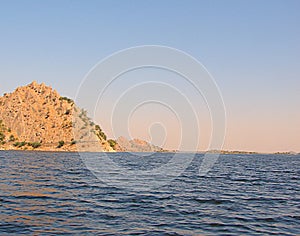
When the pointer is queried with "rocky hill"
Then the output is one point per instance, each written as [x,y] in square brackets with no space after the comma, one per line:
[135,145]
[37,117]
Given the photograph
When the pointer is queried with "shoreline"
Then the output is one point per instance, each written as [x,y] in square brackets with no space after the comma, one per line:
[173,152]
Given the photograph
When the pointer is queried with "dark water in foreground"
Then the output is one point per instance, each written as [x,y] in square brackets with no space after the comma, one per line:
[53,193]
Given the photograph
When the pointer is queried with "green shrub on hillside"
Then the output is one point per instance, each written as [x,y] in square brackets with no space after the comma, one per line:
[2,136]
[100,133]
[34,144]
[12,138]
[60,144]
[83,114]
[73,142]
[112,143]
[19,144]
[2,126]
[69,100]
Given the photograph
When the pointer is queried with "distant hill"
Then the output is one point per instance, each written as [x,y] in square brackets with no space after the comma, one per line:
[135,145]
[36,117]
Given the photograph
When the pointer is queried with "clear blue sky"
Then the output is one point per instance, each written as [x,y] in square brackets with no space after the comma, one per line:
[252,49]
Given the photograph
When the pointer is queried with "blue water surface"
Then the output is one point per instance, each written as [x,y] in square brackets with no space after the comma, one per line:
[47,193]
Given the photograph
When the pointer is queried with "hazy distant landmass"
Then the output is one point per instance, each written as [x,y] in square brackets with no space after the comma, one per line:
[248,152]
[136,145]
[36,117]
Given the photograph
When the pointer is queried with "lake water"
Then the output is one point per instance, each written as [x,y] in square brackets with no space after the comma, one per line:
[54,193]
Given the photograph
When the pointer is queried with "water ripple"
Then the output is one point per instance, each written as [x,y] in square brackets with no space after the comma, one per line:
[53,193]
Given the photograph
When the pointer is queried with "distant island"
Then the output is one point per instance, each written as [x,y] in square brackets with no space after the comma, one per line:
[36,117]
[249,152]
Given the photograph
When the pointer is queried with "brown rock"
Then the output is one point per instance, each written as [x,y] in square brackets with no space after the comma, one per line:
[38,114]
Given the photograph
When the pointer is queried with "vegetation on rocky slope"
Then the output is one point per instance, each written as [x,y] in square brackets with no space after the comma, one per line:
[37,117]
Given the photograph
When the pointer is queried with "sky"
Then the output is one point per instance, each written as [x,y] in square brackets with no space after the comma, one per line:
[250,48]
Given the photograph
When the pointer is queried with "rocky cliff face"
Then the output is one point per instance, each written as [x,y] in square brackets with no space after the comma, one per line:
[37,117]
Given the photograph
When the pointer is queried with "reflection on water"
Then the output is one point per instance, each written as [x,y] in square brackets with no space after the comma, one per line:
[53,193]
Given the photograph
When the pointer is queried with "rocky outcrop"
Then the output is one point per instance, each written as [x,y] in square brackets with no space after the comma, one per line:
[135,145]
[37,117]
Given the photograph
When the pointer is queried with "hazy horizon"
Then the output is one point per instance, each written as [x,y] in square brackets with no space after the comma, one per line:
[250,48]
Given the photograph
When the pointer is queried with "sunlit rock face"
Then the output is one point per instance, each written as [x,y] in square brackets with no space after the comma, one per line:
[36,113]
